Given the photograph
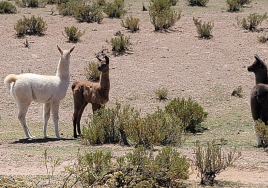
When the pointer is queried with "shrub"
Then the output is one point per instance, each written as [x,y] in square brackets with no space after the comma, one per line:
[161,14]
[174,2]
[91,71]
[262,130]
[238,92]
[68,8]
[161,93]
[126,126]
[211,160]
[7,8]
[190,113]
[243,2]
[120,43]
[30,26]
[234,5]
[115,9]
[88,12]
[203,29]
[72,33]
[134,169]
[252,21]
[31,3]
[201,3]
[263,38]
[131,23]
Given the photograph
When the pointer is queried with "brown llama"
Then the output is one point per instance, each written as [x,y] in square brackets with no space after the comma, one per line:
[260,70]
[259,106]
[85,92]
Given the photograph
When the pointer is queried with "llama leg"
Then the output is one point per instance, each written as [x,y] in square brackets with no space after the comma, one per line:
[55,114]
[79,106]
[79,118]
[46,115]
[258,138]
[23,108]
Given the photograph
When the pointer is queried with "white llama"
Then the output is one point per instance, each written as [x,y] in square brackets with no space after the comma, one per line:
[50,90]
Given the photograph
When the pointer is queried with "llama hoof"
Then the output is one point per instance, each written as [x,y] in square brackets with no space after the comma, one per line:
[31,137]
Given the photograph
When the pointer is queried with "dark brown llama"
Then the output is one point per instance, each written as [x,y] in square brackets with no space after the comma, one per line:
[260,70]
[85,92]
[259,106]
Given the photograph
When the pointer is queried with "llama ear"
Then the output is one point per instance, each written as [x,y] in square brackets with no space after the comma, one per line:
[257,57]
[61,52]
[106,59]
[72,49]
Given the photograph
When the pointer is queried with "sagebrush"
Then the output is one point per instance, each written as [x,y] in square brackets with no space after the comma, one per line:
[210,160]
[120,43]
[31,3]
[161,93]
[7,8]
[33,25]
[91,72]
[73,34]
[115,9]
[161,14]
[252,21]
[204,29]
[202,3]
[131,23]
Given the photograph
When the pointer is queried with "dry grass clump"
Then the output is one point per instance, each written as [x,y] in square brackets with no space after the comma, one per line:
[131,23]
[204,29]
[252,21]
[73,34]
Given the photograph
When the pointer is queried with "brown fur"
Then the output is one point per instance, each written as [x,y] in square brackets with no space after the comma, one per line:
[85,92]
[260,70]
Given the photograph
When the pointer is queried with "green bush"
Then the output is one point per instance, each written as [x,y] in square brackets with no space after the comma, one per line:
[190,113]
[252,21]
[88,12]
[161,14]
[234,5]
[131,23]
[134,169]
[203,29]
[31,3]
[91,71]
[161,93]
[201,3]
[68,8]
[115,9]
[126,126]
[30,26]
[120,43]
[262,130]
[7,8]
[72,34]
[211,160]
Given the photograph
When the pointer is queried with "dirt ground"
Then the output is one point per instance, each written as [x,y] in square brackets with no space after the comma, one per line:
[205,70]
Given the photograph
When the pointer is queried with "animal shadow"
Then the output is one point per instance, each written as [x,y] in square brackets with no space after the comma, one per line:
[39,140]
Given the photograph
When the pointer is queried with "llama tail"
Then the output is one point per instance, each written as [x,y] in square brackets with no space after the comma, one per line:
[12,78]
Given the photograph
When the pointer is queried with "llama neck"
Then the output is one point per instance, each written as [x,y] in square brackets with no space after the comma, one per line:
[105,81]
[63,70]
[262,78]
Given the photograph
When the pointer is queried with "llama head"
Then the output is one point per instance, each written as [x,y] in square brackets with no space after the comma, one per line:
[65,54]
[258,66]
[103,64]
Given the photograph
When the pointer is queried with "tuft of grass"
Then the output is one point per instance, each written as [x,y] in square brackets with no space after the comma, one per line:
[211,160]
[204,29]
[201,3]
[161,93]
[91,71]
[120,43]
[238,92]
[33,25]
[7,8]
[115,9]
[161,14]
[252,21]
[131,23]
[73,34]
[262,130]
[263,38]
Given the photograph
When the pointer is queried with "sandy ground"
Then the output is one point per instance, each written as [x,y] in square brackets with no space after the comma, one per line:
[177,60]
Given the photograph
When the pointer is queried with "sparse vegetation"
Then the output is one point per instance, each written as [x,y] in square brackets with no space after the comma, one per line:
[91,71]
[204,29]
[252,21]
[263,38]
[88,12]
[201,3]
[73,34]
[115,9]
[131,23]
[211,160]
[134,169]
[33,25]
[262,130]
[31,3]
[7,8]
[236,5]
[161,14]
[161,93]
[174,2]
[120,43]
[238,92]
